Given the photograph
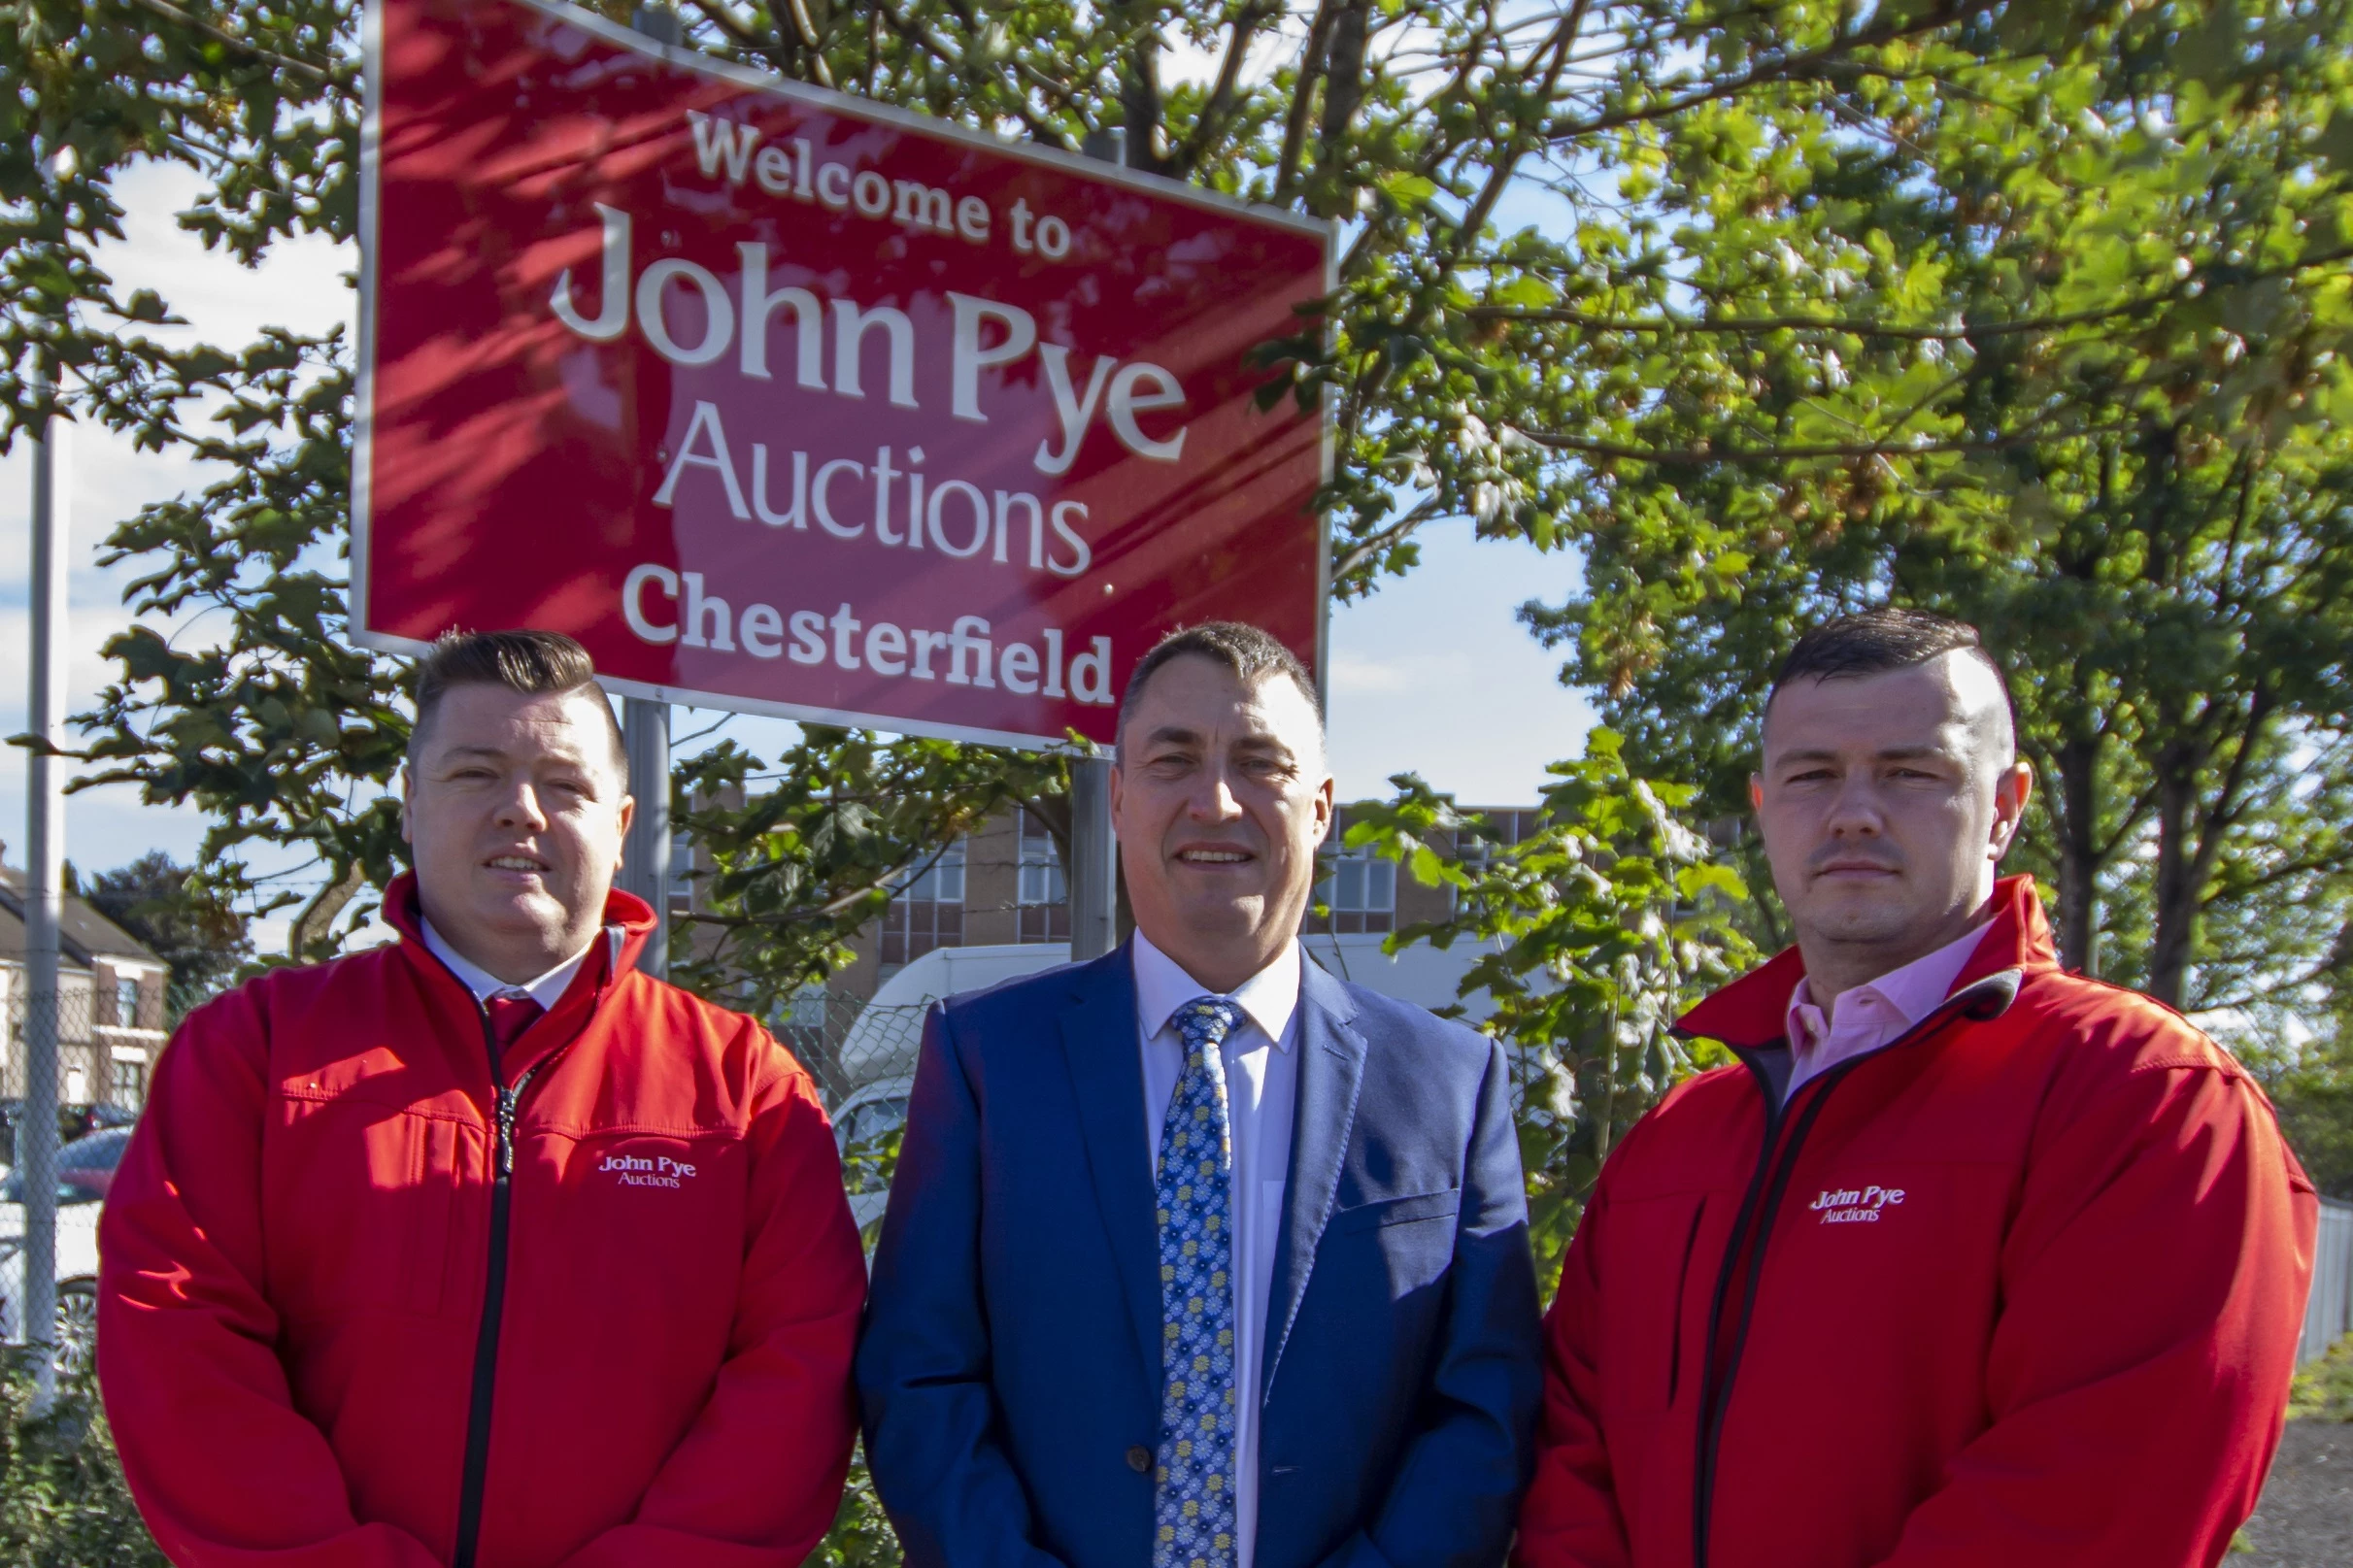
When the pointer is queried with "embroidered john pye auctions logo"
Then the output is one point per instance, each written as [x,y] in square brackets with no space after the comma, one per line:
[636,1170]
[1855,1206]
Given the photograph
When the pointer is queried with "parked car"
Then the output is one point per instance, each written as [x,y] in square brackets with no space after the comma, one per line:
[86,1170]
[859,1127]
[73,1121]
[77,1275]
[86,1167]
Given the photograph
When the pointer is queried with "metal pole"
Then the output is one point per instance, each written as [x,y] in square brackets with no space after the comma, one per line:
[645,859]
[1095,859]
[1094,852]
[645,723]
[44,912]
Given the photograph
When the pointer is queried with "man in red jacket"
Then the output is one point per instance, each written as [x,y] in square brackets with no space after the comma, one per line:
[483,1247]
[1970,1262]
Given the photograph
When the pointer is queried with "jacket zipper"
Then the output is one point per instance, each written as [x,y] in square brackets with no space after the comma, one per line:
[493,1295]
[1776,1163]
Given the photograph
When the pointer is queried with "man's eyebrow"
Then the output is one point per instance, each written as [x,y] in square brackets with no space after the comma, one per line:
[1887,754]
[1173,735]
[570,759]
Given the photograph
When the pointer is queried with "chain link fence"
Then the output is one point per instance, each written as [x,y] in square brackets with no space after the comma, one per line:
[101,1080]
[862,1057]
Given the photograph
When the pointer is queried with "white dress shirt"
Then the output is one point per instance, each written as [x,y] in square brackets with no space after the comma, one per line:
[545,990]
[1262,1085]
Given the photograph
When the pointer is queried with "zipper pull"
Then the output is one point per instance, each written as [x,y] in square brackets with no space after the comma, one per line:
[506,1132]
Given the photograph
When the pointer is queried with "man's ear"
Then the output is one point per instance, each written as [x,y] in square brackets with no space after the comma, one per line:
[627,814]
[1756,792]
[2013,790]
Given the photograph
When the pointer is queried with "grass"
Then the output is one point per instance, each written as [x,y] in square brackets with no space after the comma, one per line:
[2324,1390]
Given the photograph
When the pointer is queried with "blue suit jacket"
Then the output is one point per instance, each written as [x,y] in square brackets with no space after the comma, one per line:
[1010,1367]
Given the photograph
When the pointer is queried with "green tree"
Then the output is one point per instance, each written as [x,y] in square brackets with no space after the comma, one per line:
[1417,123]
[2057,348]
[1599,928]
[204,941]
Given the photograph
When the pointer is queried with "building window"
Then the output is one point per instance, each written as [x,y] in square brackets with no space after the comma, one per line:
[1362,889]
[928,911]
[682,870]
[1043,893]
[1503,829]
[126,1000]
[807,1009]
[129,1087]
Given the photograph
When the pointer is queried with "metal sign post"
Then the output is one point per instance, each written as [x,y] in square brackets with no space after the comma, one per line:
[44,912]
[645,859]
[1094,849]
[644,724]
[1094,860]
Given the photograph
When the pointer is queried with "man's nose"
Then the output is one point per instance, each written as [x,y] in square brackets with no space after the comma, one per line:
[1856,808]
[521,808]
[1213,797]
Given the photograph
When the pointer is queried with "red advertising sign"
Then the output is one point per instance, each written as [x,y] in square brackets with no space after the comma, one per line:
[784,401]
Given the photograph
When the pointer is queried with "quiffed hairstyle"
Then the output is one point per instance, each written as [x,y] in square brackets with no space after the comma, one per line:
[1245,649]
[530,663]
[1878,641]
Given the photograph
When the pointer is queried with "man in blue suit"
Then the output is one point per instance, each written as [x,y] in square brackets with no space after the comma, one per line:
[1198,1257]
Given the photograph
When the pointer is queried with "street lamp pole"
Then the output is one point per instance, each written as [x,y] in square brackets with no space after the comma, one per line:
[44,913]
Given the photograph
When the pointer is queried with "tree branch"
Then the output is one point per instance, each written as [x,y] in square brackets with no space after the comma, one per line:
[1698,456]
[1226,95]
[1395,533]
[1812,65]
[246,46]
[1294,131]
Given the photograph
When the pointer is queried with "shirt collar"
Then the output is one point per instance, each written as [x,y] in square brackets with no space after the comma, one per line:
[1913,990]
[1269,998]
[546,990]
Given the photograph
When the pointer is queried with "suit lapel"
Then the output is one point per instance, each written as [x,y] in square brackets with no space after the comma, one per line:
[1107,1072]
[1331,1070]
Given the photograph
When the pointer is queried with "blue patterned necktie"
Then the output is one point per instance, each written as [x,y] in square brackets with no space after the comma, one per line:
[1193,1494]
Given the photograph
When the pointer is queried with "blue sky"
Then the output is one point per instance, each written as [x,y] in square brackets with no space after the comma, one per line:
[1431,675]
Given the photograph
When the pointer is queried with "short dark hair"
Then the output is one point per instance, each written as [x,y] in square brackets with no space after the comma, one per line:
[530,663]
[1247,650]
[1876,642]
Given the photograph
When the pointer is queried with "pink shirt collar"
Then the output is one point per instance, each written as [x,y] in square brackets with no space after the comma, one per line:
[1873,1013]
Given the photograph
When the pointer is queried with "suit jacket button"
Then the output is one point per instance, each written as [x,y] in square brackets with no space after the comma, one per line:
[1139,1460]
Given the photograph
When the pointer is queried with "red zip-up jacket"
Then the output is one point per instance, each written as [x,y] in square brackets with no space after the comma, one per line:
[2019,1289]
[368,1299]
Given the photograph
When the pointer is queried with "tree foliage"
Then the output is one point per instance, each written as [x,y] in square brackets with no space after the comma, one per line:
[807,853]
[1468,150]
[1599,928]
[63,1503]
[2057,346]
[202,940]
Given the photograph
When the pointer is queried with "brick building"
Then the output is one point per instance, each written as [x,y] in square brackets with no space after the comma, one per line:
[112,985]
[1003,884]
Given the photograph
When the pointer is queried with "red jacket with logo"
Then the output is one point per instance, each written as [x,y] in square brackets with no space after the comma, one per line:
[2019,1289]
[366,1302]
